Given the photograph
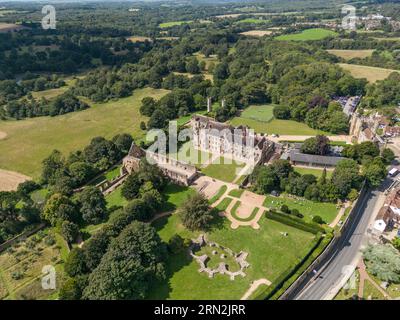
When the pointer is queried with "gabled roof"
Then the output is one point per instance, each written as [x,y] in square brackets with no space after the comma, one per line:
[136,151]
[297,156]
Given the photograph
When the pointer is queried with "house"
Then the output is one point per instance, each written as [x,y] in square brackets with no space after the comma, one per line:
[178,171]
[389,215]
[238,143]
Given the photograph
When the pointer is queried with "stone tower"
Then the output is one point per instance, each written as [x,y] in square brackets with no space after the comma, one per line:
[209,107]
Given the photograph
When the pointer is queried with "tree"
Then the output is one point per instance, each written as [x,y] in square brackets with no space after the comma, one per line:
[92,205]
[195,212]
[318,145]
[388,156]
[282,112]
[57,209]
[51,165]
[133,261]
[176,244]
[69,231]
[396,243]
[318,219]
[375,172]
[123,142]
[137,210]
[264,180]
[96,247]
[130,188]
[345,177]
[75,263]
[81,172]
[72,288]
[383,261]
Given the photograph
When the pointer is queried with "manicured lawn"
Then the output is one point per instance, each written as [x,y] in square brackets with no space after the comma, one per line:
[115,198]
[269,255]
[237,193]
[275,126]
[182,120]
[327,211]
[175,196]
[188,154]
[263,113]
[219,194]
[370,292]
[372,74]
[224,204]
[306,35]
[173,23]
[221,169]
[29,141]
[315,172]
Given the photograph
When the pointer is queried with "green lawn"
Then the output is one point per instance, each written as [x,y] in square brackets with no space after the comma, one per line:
[327,211]
[221,169]
[116,199]
[269,255]
[218,195]
[371,292]
[315,172]
[182,120]
[262,113]
[275,126]
[306,35]
[175,196]
[187,153]
[29,141]
[237,193]
[173,23]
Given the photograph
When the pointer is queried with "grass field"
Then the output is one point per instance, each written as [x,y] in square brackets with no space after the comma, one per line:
[327,211]
[188,154]
[115,198]
[372,74]
[257,33]
[263,113]
[252,20]
[173,23]
[175,196]
[138,39]
[276,126]
[315,172]
[222,169]
[29,141]
[21,267]
[351,54]
[269,255]
[208,60]
[307,35]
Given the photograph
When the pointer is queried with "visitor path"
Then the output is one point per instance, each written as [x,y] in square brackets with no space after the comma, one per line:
[254,287]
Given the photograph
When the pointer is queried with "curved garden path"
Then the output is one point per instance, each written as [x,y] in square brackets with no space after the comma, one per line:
[253,287]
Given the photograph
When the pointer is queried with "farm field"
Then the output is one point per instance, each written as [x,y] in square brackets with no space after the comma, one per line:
[315,172]
[372,74]
[10,180]
[276,126]
[269,255]
[307,35]
[257,33]
[7,27]
[223,169]
[138,39]
[21,266]
[29,141]
[351,54]
[327,211]
[173,23]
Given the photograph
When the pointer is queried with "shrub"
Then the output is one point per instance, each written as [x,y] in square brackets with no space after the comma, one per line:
[176,244]
[317,219]
[285,209]
[294,222]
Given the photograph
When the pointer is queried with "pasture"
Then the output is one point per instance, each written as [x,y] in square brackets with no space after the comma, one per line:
[29,141]
[256,33]
[263,113]
[372,74]
[308,35]
[270,254]
[351,54]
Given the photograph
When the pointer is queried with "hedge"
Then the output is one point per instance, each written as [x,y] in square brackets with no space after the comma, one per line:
[285,280]
[294,222]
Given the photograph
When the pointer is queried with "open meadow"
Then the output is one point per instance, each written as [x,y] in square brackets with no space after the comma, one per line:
[351,54]
[372,74]
[29,141]
[308,35]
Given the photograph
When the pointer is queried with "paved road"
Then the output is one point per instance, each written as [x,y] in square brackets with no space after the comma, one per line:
[346,251]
